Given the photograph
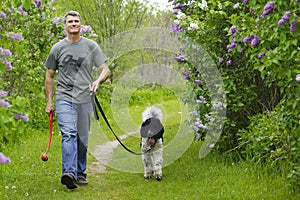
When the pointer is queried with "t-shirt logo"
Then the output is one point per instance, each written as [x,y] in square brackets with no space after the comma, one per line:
[69,61]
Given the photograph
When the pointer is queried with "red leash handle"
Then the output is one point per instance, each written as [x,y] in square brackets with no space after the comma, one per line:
[44,156]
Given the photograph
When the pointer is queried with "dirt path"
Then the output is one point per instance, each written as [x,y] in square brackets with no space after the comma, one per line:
[103,153]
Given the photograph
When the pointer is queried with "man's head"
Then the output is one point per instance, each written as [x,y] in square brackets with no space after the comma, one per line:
[72,22]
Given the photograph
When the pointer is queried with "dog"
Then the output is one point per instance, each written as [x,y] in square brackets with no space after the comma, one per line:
[152,142]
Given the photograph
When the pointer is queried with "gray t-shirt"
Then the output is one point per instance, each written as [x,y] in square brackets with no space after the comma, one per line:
[74,62]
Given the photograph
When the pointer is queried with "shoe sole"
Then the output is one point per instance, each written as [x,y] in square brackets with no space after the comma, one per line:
[69,181]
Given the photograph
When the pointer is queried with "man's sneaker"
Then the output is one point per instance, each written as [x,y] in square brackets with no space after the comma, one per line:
[68,180]
[81,181]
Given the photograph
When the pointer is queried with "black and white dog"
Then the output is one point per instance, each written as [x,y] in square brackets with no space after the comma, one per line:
[152,142]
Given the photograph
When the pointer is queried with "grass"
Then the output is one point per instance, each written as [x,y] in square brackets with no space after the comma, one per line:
[188,177]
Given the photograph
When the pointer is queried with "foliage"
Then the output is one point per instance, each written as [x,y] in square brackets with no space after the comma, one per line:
[255,44]
[267,140]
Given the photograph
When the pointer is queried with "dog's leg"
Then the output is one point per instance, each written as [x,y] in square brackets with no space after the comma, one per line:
[158,159]
[146,158]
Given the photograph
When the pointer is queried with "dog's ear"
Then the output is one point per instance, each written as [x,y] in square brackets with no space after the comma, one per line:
[153,126]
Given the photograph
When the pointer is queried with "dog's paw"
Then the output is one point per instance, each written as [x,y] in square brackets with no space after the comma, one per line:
[158,178]
[147,177]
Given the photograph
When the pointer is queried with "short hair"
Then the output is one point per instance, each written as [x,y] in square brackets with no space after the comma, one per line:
[71,13]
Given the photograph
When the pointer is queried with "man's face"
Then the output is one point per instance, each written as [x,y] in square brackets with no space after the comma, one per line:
[73,24]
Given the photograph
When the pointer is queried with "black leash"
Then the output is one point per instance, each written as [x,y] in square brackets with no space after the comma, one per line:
[94,99]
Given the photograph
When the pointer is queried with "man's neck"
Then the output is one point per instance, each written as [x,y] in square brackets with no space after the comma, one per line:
[73,37]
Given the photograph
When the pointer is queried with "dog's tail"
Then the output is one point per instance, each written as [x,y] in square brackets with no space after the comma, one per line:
[152,111]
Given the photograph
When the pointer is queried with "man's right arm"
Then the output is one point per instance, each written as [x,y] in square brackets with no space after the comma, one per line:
[49,83]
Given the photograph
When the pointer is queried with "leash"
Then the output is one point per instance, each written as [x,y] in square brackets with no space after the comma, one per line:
[94,99]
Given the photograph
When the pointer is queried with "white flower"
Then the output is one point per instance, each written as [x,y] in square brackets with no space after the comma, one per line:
[176,22]
[203,5]
[193,26]
[180,15]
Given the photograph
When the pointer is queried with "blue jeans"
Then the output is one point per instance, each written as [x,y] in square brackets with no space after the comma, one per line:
[74,122]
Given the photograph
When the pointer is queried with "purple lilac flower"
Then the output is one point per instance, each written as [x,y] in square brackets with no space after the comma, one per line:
[246,1]
[228,62]
[198,82]
[4,159]
[232,29]
[3,94]
[186,75]
[198,137]
[15,36]
[260,55]
[55,21]
[51,2]
[243,50]
[21,117]
[5,52]
[179,6]
[85,29]
[221,60]
[298,77]
[175,12]
[4,103]
[247,39]
[255,41]
[2,15]
[284,18]
[22,11]
[8,65]
[269,7]
[180,58]
[293,25]
[208,117]
[38,3]
[176,28]
[236,6]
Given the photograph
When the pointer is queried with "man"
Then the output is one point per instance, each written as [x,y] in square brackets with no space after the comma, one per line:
[73,58]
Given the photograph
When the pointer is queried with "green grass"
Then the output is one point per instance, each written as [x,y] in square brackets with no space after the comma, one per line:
[188,177]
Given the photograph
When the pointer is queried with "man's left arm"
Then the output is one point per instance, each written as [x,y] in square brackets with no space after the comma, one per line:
[102,77]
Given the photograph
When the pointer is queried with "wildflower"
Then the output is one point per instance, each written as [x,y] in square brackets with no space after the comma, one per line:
[298,77]
[5,52]
[3,94]
[15,36]
[269,7]
[208,117]
[38,3]
[284,18]
[4,159]
[260,55]
[2,15]
[198,137]
[203,5]
[236,6]
[228,62]
[293,25]
[246,1]
[4,103]
[22,11]
[221,60]
[180,58]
